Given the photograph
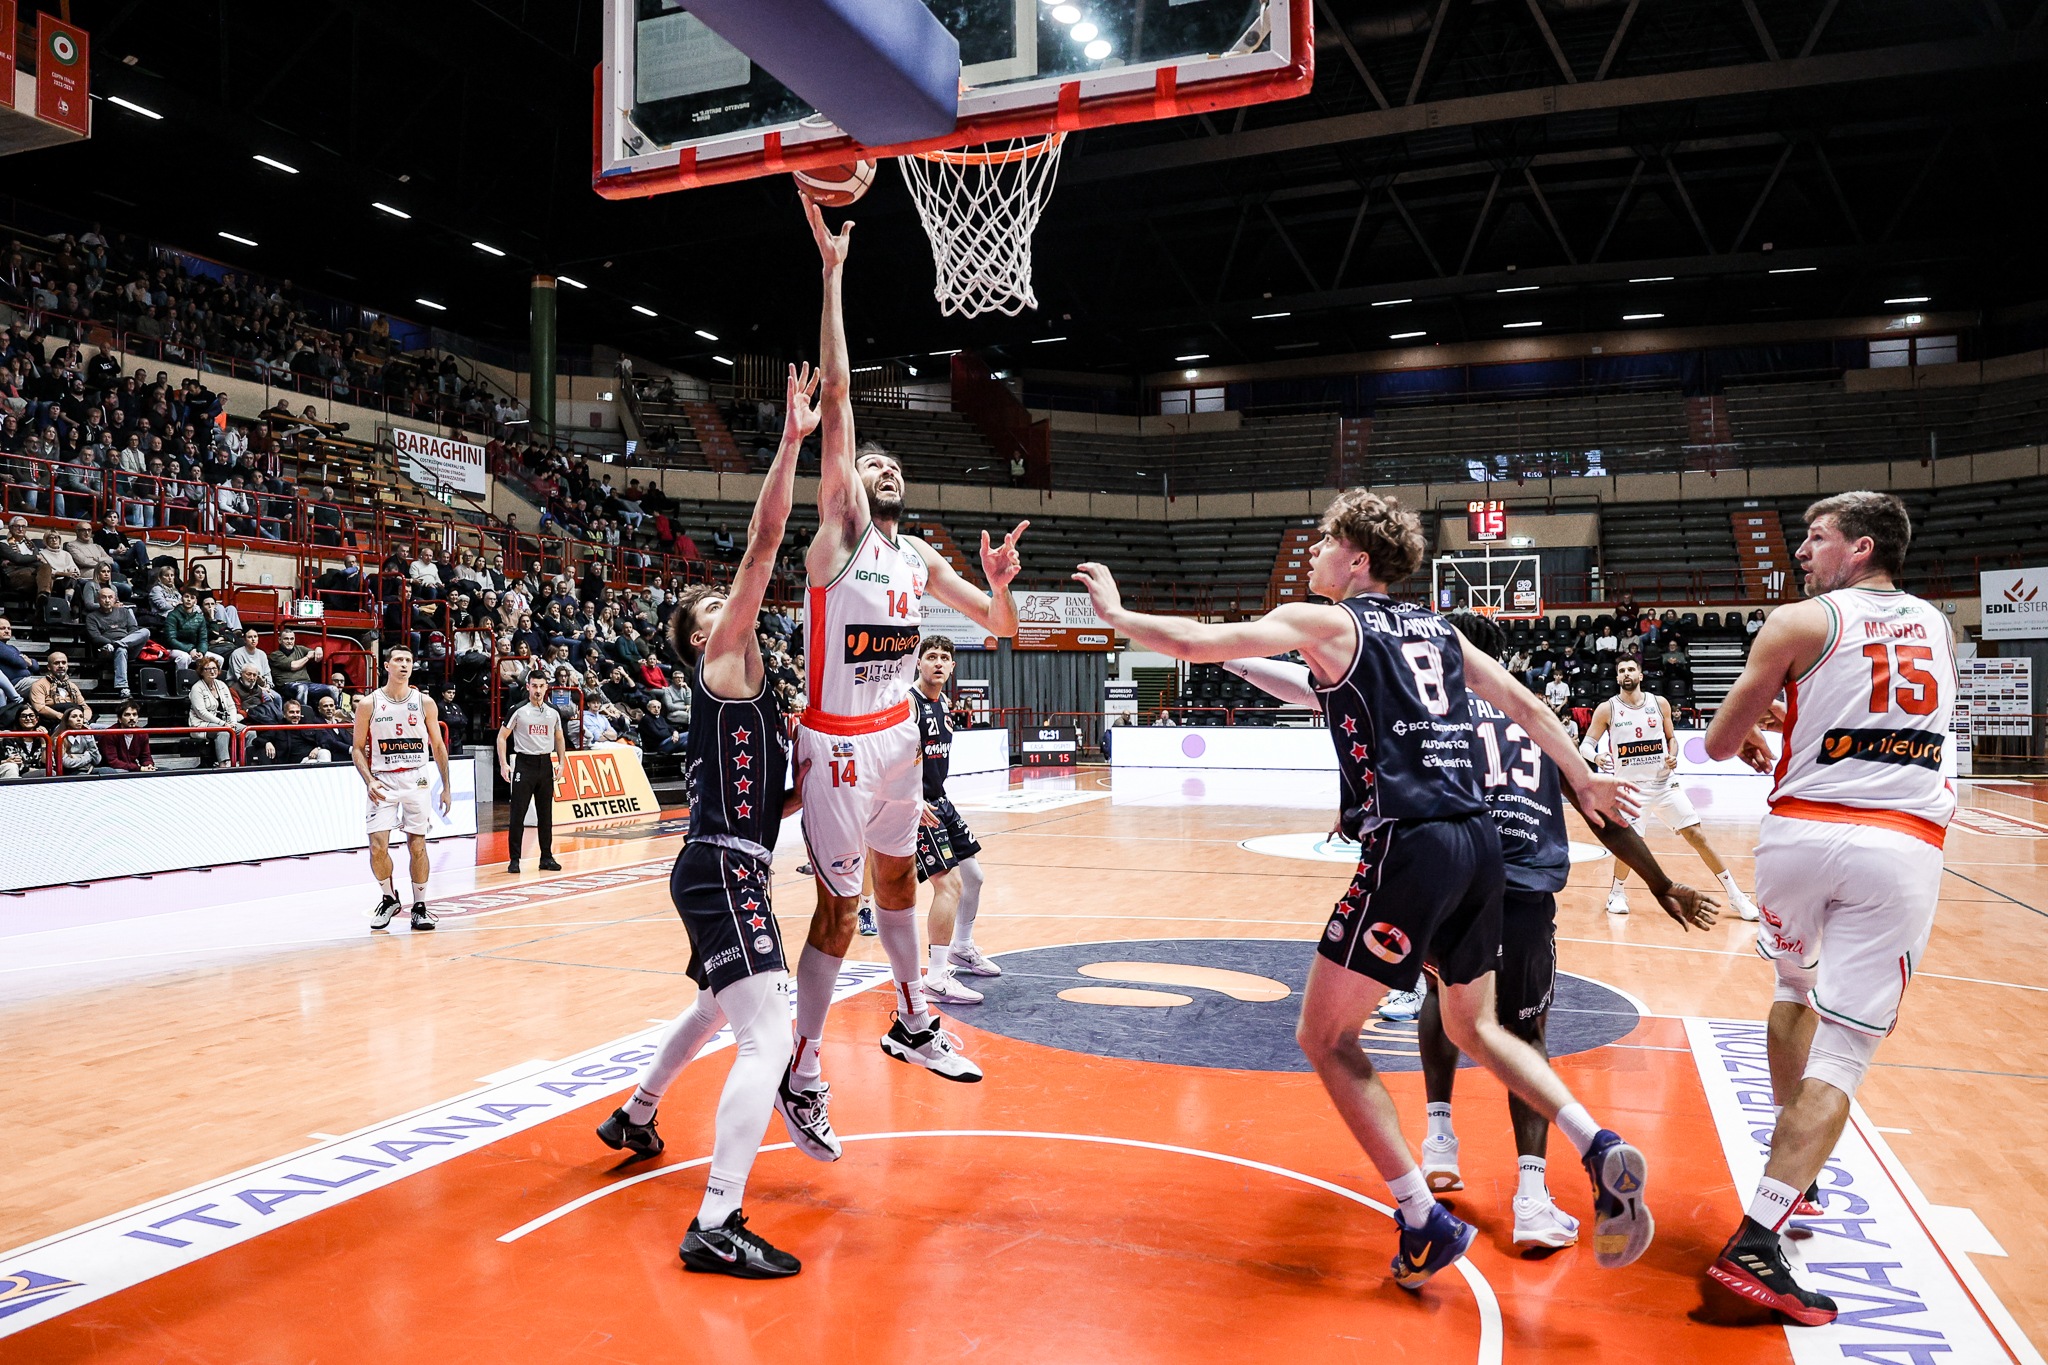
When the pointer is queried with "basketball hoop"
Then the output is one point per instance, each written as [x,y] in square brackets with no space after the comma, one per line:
[980,206]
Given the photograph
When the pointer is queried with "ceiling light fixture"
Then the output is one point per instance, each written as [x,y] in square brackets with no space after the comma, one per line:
[1083,33]
[1066,14]
[1040,341]
[954,351]
[1198,355]
[573,284]
[383,207]
[645,311]
[132,107]
[1795,270]
[706,335]
[429,303]
[276,165]
[1097,50]
[1652,279]
[721,360]
[1521,324]
[1189,374]
[1389,303]
[1519,289]
[487,248]
[1261,317]
[1404,336]
[233,238]
[1639,317]
[1916,298]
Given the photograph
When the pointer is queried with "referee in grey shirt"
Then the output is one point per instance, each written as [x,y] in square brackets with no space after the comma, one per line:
[535,732]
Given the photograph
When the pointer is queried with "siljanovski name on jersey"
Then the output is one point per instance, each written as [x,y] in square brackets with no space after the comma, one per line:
[1435,627]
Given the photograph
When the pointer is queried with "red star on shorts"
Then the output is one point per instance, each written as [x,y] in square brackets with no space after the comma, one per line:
[743,810]
[750,904]
[742,760]
[1350,725]
[1358,752]
[757,923]
[744,785]
[739,736]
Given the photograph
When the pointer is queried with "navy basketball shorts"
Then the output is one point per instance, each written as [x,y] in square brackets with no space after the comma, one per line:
[941,849]
[722,896]
[1426,892]
[1528,959]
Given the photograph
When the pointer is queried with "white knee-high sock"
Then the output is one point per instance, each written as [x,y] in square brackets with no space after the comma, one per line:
[970,902]
[898,932]
[685,1038]
[817,974]
[758,1007]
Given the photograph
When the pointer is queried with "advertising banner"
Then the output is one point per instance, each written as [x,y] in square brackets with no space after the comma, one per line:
[61,72]
[1045,620]
[1999,694]
[7,62]
[2015,604]
[605,783]
[437,462]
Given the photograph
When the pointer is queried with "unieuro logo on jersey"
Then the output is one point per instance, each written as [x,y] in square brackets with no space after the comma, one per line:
[606,783]
[866,644]
[2015,603]
[1640,750]
[1910,748]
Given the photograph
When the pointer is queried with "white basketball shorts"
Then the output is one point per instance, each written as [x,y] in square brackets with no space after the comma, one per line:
[1665,799]
[407,806]
[863,791]
[1846,913]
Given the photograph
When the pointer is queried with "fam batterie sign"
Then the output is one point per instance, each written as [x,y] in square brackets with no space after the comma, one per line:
[438,462]
[605,783]
[2015,603]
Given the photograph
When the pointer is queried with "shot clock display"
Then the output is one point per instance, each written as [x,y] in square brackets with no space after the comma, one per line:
[1486,522]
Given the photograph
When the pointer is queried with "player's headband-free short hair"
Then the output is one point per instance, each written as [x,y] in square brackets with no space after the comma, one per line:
[1388,534]
[682,622]
[395,650]
[1881,516]
[942,643]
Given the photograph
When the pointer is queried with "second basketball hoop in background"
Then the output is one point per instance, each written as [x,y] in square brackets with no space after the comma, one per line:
[835,187]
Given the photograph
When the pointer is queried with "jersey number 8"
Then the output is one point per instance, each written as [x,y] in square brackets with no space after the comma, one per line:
[1427,664]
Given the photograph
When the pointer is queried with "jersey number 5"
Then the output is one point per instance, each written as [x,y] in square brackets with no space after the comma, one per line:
[1899,677]
[1427,664]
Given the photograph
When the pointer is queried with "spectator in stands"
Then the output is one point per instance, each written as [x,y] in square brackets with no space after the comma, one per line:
[164,594]
[14,669]
[598,728]
[288,746]
[21,559]
[346,583]
[453,716]
[62,570]
[227,621]
[1518,663]
[251,655]
[112,629]
[85,551]
[1677,663]
[1558,693]
[85,598]
[675,699]
[258,701]
[291,666]
[189,632]
[130,556]
[55,690]
[1607,642]
[127,753]
[657,736]
[212,703]
[78,753]
[513,668]
[723,544]
[1753,623]
[24,753]
[336,739]
[425,573]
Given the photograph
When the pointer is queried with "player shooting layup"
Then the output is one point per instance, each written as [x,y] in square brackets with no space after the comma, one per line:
[1848,862]
[397,727]
[862,797]
[1392,679]
[1645,751]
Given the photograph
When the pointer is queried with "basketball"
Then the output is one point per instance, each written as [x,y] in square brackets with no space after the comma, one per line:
[835,187]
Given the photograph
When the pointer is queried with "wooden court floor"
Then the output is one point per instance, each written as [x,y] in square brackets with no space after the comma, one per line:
[242,1127]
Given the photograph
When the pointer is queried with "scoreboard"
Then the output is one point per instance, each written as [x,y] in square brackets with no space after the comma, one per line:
[1486,522]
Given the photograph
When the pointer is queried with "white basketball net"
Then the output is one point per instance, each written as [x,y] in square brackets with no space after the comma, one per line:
[980,206]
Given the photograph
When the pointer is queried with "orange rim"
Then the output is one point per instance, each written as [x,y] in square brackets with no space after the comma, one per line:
[960,156]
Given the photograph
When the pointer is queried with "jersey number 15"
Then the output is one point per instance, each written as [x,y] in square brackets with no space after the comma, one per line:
[1899,677]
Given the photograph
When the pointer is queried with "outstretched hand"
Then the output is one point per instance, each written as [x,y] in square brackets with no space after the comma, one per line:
[1603,797]
[800,407]
[1693,909]
[1102,589]
[832,246]
[1002,564]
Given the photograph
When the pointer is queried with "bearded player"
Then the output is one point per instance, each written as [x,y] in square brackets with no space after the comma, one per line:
[1644,749]
[862,618]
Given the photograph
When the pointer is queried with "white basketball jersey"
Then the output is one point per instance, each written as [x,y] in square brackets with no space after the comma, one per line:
[398,731]
[1637,734]
[1867,726]
[862,628]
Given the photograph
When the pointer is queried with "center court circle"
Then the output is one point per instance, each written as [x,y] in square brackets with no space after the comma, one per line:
[1242,997]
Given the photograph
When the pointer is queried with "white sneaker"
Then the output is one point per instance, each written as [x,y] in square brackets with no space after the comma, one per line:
[1540,1223]
[1400,1006]
[934,1049]
[1617,902]
[1440,1165]
[948,988]
[1744,906]
[971,960]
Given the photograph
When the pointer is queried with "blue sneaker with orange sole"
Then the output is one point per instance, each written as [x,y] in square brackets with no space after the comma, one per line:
[1427,1249]
[1622,1226]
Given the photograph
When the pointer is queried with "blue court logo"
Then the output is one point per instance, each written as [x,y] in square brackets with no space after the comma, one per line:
[21,1290]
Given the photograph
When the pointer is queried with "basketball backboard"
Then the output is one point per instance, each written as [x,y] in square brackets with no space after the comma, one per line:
[1505,586]
[678,107]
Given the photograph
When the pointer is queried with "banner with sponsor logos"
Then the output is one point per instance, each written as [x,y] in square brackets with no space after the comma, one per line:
[605,783]
[2015,603]
[1999,694]
[437,462]
[1045,620]
[7,56]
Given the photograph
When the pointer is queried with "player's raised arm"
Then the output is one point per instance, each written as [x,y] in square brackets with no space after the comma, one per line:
[732,654]
[995,611]
[1598,796]
[1793,637]
[1286,682]
[842,502]
[1324,635]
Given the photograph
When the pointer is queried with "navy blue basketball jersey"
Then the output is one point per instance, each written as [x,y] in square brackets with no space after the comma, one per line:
[1400,721]
[1524,797]
[936,729]
[736,765]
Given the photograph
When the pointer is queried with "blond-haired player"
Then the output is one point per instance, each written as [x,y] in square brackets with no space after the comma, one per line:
[1848,863]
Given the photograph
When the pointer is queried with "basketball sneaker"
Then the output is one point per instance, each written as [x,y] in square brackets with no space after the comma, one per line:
[422,918]
[1400,1006]
[619,1131]
[730,1249]
[808,1117]
[1440,1165]
[864,919]
[950,989]
[1622,1225]
[1541,1223]
[1429,1248]
[380,918]
[970,959]
[932,1048]
[1808,1204]
[1753,1265]
[1744,906]
[1617,902]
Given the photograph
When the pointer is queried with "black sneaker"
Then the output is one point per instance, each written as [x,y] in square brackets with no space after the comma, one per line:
[619,1131]
[807,1115]
[548,864]
[512,866]
[380,918]
[422,918]
[1753,1265]
[729,1249]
